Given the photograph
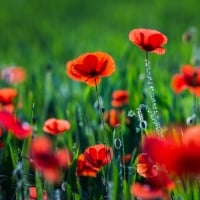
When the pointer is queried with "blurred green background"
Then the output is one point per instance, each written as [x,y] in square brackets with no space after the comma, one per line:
[36,32]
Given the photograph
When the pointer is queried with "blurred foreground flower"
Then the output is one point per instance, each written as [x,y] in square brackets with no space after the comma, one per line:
[7,97]
[13,74]
[33,194]
[148,40]
[93,159]
[189,78]
[11,123]
[120,98]
[56,126]
[90,67]
[157,182]
[49,163]
[180,156]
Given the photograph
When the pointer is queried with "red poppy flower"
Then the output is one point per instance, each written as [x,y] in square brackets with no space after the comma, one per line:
[178,157]
[157,181]
[33,194]
[90,67]
[64,157]
[145,166]
[126,159]
[99,155]
[189,78]
[48,162]
[13,75]
[114,117]
[12,124]
[7,95]
[148,40]
[93,159]
[145,192]
[56,126]
[85,168]
[120,98]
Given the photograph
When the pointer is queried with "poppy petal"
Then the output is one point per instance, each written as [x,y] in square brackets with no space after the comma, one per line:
[178,83]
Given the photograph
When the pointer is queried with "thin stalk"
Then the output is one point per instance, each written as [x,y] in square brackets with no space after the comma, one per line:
[151,93]
[105,175]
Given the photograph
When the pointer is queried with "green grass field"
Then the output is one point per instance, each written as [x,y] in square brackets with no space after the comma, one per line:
[42,35]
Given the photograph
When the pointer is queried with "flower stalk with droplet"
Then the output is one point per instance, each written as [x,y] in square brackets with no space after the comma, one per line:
[151,41]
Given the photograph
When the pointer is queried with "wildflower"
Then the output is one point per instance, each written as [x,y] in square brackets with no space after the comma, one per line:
[33,194]
[56,126]
[11,123]
[145,192]
[189,78]
[145,166]
[7,97]
[126,159]
[179,155]
[148,40]
[93,159]
[120,98]
[85,168]
[114,117]
[13,74]
[90,67]
[64,157]
[48,162]
[157,181]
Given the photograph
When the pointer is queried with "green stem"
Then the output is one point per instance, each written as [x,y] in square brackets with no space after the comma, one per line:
[151,93]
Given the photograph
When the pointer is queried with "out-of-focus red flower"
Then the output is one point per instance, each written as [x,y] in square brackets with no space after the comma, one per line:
[189,78]
[180,158]
[7,95]
[120,98]
[13,74]
[157,181]
[90,67]
[48,162]
[126,158]
[145,192]
[148,40]
[114,117]
[33,194]
[93,159]
[145,166]
[56,126]
[11,123]
[64,157]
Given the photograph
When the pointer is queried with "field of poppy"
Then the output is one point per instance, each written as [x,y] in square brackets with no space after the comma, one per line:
[99,100]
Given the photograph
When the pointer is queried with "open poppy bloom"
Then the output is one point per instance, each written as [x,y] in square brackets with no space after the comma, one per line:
[93,159]
[120,98]
[148,40]
[49,163]
[56,126]
[11,123]
[13,74]
[90,67]
[180,156]
[33,194]
[189,78]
